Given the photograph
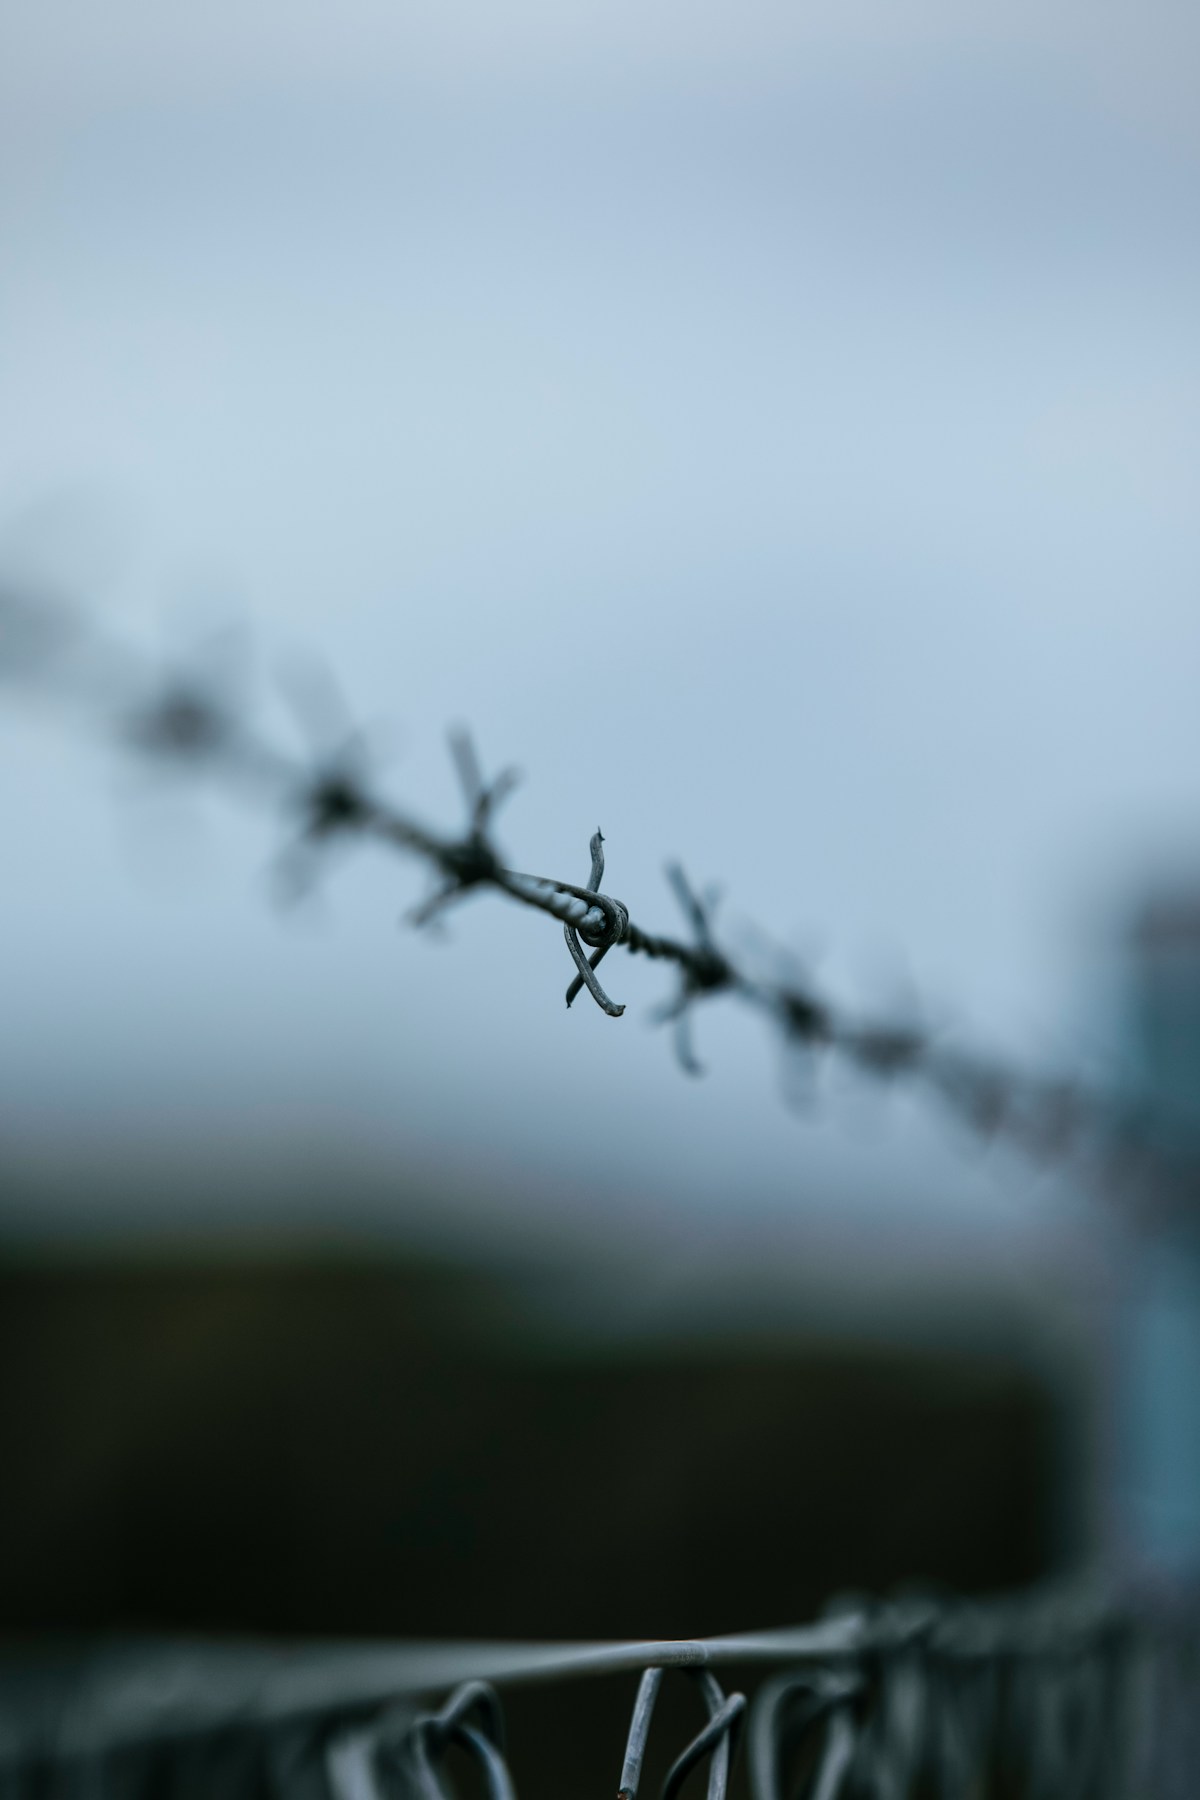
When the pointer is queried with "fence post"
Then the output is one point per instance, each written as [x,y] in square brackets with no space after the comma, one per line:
[1155,1502]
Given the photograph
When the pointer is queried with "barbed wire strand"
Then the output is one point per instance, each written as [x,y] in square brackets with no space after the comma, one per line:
[180,716]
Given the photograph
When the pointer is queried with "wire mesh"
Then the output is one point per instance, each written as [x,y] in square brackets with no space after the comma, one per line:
[1045,1695]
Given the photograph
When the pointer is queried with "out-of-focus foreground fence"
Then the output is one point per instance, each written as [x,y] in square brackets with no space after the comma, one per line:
[1049,1696]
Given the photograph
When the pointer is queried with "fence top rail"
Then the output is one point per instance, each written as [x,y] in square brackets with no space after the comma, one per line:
[120,1693]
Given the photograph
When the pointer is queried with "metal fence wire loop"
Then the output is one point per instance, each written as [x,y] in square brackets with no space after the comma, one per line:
[717,1739]
[432,1735]
[367,1762]
[786,1713]
[894,1750]
[1061,1727]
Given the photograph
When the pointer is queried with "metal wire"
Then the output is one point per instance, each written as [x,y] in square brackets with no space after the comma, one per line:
[778,1727]
[1048,1695]
[717,1740]
[186,718]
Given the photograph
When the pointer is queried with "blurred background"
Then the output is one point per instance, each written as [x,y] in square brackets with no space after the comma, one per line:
[776,430]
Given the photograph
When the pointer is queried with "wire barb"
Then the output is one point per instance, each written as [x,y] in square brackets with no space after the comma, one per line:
[703,970]
[470,861]
[602,937]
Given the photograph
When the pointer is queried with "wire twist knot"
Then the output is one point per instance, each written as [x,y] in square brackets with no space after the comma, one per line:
[600,936]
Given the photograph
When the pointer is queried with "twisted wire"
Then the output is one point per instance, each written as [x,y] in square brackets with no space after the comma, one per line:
[184,718]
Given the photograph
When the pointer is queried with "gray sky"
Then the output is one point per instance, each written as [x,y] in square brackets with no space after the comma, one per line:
[775,429]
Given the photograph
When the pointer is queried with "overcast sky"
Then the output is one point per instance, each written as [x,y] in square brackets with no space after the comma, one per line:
[776,429]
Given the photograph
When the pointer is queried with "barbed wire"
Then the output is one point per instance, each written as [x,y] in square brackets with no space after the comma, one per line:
[185,717]
[1051,1695]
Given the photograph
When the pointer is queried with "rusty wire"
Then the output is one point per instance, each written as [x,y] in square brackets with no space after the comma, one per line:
[183,717]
